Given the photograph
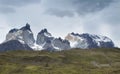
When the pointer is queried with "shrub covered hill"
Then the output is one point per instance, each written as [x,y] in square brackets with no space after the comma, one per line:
[74,61]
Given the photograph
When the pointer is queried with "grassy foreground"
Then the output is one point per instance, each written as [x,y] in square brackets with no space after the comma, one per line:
[77,61]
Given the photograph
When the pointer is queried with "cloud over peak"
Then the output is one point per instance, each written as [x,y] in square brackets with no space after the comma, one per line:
[80,7]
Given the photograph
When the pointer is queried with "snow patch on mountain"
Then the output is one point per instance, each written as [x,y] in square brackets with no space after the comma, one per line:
[86,41]
[23,35]
[37,47]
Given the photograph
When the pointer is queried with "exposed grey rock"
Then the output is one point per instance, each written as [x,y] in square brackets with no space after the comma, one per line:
[23,35]
[45,39]
[61,44]
[88,41]
[43,36]
[13,45]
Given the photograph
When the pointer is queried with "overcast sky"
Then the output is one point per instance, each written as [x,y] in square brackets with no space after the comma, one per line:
[61,17]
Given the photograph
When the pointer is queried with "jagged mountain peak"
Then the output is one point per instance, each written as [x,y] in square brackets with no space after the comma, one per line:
[26,27]
[23,35]
[45,33]
[83,34]
[48,42]
[43,37]
[13,30]
[62,40]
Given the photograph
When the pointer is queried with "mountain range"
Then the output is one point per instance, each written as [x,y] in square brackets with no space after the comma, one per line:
[23,39]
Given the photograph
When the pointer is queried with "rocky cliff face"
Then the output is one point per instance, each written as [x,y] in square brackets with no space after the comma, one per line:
[87,41]
[45,39]
[18,39]
[23,35]
[61,44]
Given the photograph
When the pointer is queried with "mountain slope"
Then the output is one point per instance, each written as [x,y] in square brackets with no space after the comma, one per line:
[13,45]
[75,61]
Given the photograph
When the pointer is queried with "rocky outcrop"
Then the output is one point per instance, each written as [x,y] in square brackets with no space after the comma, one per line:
[23,35]
[45,39]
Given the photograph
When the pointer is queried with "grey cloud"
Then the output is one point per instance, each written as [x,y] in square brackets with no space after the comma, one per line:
[110,15]
[80,7]
[5,10]
[86,6]
[8,6]
[17,2]
[60,13]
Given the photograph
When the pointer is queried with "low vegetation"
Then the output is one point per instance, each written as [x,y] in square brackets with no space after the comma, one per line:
[76,61]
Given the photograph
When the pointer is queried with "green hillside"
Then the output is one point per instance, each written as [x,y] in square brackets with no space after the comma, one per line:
[77,61]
